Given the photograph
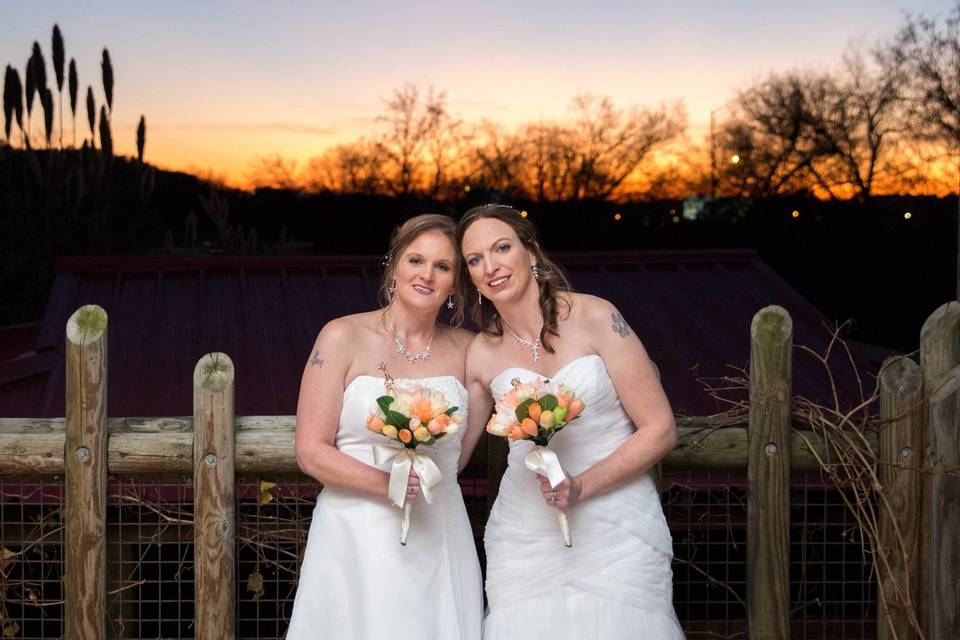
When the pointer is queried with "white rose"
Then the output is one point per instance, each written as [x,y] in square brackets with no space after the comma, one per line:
[400,405]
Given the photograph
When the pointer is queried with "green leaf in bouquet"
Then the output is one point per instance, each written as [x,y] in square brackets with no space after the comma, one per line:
[523,409]
[397,419]
[451,411]
[548,402]
[384,403]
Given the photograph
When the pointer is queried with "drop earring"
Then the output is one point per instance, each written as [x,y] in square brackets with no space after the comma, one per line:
[392,288]
[536,272]
[450,302]
[479,296]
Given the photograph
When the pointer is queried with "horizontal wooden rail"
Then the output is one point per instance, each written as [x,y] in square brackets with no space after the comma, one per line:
[264,444]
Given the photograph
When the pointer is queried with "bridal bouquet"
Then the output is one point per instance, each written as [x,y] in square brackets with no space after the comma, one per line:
[537,411]
[410,415]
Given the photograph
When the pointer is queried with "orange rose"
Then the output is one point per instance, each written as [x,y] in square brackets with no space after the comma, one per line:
[439,424]
[529,427]
[374,423]
[405,435]
[563,401]
[533,410]
[515,432]
[423,409]
[574,409]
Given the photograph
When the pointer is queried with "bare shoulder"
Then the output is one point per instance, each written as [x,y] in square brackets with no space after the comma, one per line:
[591,311]
[346,332]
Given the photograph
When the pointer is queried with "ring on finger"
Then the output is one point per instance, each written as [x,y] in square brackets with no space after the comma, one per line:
[553,496]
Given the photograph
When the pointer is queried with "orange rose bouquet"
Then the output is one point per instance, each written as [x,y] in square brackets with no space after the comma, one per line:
[410,415]
[537,411]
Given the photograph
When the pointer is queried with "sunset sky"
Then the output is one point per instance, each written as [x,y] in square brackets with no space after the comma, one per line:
[221,83]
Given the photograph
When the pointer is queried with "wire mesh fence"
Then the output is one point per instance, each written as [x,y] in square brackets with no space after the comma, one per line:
[150,555]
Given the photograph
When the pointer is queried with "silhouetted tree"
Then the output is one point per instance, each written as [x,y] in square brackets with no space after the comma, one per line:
[347,168]
[273,172]
[929,50]
[419,125]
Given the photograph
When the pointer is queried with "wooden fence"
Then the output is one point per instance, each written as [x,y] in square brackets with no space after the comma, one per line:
[917,449]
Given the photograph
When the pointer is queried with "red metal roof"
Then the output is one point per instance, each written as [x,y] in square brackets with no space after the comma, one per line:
[692,310]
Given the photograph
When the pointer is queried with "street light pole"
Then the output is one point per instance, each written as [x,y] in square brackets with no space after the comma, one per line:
[713,155]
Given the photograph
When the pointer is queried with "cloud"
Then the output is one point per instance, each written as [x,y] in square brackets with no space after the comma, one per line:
[249,127]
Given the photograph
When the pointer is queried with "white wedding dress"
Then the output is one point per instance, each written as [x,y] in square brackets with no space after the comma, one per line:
[616,581]
[356,580]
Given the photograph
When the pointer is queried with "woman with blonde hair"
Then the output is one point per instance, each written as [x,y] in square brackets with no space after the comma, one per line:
[357,581]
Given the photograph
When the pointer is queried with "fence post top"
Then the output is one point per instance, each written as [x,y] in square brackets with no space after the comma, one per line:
[900,375]
[214,372]
[86,324]
[771,324]
[946,317]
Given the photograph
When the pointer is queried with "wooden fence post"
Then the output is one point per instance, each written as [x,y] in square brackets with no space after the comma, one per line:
[900,454]
[945,514]
[85,467]
[213,497]
[768,471]
[939,354]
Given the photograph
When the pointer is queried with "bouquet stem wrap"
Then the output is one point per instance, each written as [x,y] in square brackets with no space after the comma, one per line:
[402,460]
[545,462]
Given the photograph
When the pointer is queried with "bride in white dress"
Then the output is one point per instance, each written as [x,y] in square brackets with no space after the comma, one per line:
[615,581]
[356,580]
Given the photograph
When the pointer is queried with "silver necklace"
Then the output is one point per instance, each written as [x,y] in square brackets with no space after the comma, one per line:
[534,346]
[409,356]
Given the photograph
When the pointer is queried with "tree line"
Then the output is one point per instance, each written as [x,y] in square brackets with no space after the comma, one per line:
[885,120]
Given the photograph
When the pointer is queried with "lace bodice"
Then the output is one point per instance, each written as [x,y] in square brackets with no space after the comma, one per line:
[359,398]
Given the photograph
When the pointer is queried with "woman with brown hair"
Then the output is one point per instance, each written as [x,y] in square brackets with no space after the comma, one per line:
[356,580]
[615,581]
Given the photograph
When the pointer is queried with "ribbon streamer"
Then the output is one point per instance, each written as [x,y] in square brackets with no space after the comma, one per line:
[402,459]
[545,462]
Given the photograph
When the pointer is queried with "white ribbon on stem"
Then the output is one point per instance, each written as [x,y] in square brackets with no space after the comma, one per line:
[402,460]
[545,462]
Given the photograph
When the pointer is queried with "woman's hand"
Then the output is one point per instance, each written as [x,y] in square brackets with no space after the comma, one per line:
[564,495]
[413,485]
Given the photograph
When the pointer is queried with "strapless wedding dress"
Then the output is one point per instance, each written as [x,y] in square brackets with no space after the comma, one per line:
[356,580]
[616,581]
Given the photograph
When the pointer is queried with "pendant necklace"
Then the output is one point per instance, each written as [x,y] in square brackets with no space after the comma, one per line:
[534,346]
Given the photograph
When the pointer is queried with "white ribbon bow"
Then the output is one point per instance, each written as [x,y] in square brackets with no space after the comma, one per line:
[402,459]
[545,462]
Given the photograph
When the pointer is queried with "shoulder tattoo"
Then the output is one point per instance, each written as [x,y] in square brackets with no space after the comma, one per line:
[620,325]
[315,360]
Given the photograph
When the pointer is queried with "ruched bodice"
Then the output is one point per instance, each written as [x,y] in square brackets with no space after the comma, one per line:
[356,580]
[595,434]
[616,581]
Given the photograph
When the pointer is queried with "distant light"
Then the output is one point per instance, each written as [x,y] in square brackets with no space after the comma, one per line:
[617,216]
[467,188]
[672,211]
[907,215]
[795,214]
[676,218]
[523,214]
[734,158]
